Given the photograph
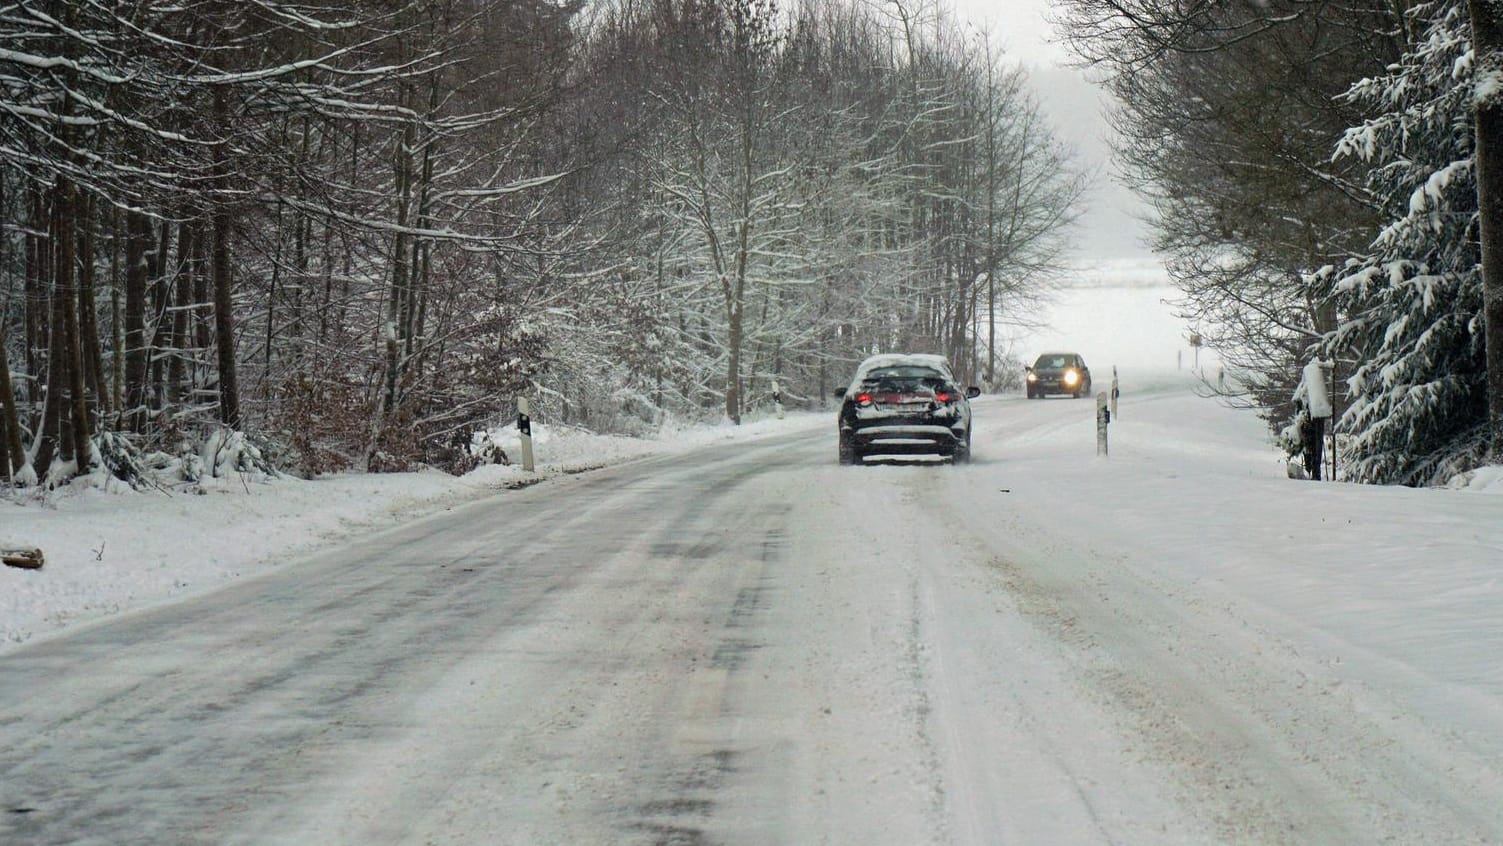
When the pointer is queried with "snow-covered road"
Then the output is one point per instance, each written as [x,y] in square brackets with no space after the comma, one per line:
[747,644]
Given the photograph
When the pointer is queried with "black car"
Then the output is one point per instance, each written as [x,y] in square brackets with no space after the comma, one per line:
[1059,373]
[905,404]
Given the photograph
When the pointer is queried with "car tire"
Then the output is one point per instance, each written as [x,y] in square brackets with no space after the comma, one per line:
[849,454]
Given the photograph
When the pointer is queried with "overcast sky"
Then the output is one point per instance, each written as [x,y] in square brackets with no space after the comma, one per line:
[1111,231]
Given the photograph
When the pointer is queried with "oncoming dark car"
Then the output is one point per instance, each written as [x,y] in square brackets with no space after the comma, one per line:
[905,404]
[1059,373]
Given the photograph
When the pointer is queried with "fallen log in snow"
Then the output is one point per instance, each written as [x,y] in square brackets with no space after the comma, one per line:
[26,559]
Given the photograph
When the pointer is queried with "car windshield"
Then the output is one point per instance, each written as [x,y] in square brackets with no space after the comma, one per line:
[1054,361]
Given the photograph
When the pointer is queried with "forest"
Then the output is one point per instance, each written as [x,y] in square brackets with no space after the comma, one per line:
[327,235]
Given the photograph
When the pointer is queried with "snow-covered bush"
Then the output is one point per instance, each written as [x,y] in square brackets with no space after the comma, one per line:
[466,450]
[118,461]
[227,452]
[322,423]
[487,448]
[121,458]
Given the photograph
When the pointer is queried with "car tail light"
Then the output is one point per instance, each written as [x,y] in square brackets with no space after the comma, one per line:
[943,396]
[863,398]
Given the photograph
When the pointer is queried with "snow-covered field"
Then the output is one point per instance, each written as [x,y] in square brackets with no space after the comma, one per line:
[1116,314]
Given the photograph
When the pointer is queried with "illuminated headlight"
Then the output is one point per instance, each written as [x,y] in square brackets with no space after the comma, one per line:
[1071,377]
[1033,377]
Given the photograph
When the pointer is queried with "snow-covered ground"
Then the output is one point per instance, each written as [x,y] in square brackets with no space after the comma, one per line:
[109,549]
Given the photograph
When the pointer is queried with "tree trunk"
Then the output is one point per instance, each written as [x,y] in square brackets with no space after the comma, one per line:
[1487,45]
[422,251]
[38,274]
[67,292]
[400,293]
[88,317]
[202,308]
[177,369]
[271,296]
[224,315]
[12,456]
[117,317]
[224,322]
[327,301]
[161,302]
[136,349]
[737,310]
[54,433]
[733,366]
[992,166]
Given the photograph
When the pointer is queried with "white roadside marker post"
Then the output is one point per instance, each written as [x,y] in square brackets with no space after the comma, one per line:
[1103,417]
[1115,392]
[524,428]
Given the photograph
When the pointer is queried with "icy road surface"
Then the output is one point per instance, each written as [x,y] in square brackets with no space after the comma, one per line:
[748,644]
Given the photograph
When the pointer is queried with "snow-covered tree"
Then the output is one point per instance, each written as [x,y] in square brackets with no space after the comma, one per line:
[1487,108]
[1410,310]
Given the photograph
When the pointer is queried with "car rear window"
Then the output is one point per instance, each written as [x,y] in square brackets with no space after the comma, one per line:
[905,371]
[904,378]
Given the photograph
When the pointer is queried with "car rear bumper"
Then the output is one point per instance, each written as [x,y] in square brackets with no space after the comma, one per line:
[906,439]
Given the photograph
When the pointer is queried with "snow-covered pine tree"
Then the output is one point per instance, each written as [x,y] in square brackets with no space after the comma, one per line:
[1411,309]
